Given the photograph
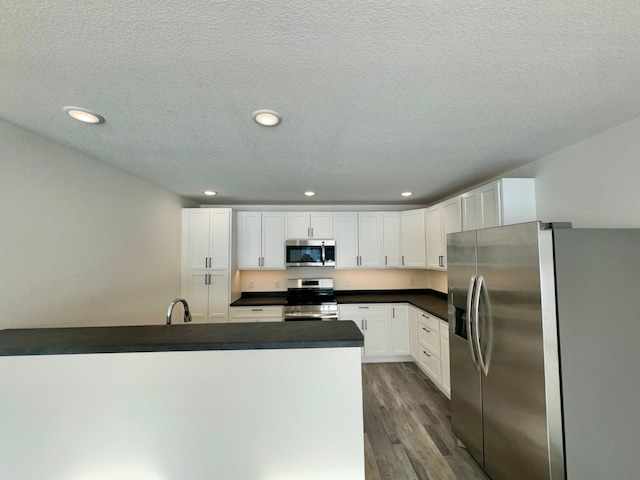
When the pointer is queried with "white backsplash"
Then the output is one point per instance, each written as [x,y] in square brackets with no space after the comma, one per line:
[379,279]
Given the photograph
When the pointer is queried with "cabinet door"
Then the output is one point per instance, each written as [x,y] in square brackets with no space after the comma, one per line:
[273,241]
[346,240]
[413,333]
[250,240]
[435,250]
[298,225]
[218,297]
[391,239]
[195,288]
[470,211]
[413,239]
[370,240]
[322,225]
[219,238]
[400,330]
[451,223]
[444,360]
[195,238]
[489,198]
[376,337]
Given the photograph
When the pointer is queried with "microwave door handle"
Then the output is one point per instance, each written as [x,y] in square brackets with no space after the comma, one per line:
[322,253]
[472,284]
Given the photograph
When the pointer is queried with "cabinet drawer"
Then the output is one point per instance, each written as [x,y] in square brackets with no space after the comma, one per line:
[362,311]
[431,322]
[428,338]
[444,329]
[431,364]
[256,312]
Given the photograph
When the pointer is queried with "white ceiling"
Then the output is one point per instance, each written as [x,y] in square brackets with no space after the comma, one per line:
[378,97]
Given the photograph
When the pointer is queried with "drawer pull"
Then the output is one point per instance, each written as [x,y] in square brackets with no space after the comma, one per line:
[363,307]
[256,309]
[428,331]
[426,353]
[425,316]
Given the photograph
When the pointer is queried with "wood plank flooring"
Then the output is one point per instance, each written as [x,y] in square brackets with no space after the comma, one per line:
[407,428]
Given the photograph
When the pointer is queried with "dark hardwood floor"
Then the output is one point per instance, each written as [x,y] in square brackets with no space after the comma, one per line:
[407,428]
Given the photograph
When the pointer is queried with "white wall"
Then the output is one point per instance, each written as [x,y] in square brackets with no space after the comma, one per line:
[594,183]
[82,243]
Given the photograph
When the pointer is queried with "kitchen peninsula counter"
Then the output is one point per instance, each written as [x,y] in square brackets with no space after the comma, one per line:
[426,299]
[167,338]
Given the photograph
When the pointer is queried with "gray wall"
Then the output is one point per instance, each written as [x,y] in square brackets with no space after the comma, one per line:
[82,243]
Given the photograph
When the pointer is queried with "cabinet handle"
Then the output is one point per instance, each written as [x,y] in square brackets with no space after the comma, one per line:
[425,316]
[205,261]
[366,324]
[426,353]
[441,261]
[393,312]
[205,279]
[209,279]
[363,307]
[256,309]
[385,260]
[428,331]
[402,259]
[311,232]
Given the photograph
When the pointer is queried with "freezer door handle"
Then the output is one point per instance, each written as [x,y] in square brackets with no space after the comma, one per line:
[470,329]
[476,315]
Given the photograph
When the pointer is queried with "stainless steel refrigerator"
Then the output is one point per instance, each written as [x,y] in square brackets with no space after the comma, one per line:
[545,350]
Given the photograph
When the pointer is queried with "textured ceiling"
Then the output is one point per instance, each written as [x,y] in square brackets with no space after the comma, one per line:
[377,96]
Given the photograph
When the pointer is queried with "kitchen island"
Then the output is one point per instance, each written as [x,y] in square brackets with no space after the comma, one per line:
[262,401]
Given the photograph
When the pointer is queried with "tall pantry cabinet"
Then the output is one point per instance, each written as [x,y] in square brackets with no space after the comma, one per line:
[206,265]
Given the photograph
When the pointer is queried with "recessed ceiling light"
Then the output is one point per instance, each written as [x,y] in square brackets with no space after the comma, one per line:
[309,193]
[83,115]
[406,194]
[210,192]
[267,118]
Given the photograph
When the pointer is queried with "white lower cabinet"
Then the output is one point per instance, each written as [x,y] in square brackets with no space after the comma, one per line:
[429,340]
[385,329]
[400,330]
[207,292]
[445,363]
[256,314]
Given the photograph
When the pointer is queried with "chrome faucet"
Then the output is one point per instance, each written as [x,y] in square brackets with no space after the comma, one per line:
[187,314]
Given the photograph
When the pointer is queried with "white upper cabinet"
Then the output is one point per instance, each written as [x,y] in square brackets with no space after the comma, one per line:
[310,225]
[391,239]
[444,218]
[358,240]
[261,240]
[413,231]
[205,238]
[503,202]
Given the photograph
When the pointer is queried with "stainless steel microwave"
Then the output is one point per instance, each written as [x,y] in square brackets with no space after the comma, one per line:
[310,253]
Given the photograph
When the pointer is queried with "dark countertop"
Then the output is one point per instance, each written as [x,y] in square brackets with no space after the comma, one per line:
[428,300]
[179,338]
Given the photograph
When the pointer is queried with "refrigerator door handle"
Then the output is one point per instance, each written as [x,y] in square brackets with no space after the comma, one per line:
[476,311]
[472,284]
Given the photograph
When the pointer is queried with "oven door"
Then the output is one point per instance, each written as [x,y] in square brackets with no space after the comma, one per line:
[310,313]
